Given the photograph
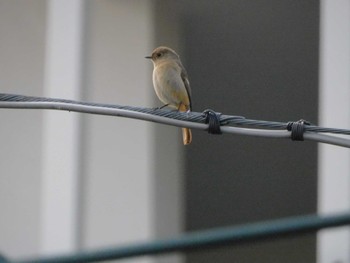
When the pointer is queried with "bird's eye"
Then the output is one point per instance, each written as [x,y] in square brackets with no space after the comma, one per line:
[159,55]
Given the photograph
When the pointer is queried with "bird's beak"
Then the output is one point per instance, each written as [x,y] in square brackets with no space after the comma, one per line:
[149,57]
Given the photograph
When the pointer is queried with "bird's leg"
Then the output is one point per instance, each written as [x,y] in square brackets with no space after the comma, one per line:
[164,106]
[159,108]
[182,108]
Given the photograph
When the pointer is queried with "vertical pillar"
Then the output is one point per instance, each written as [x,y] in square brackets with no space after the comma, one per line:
[334,111]
[63,73]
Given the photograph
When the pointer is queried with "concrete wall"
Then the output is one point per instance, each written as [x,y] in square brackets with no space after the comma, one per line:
[71,181]
[22,51]
[259,60]
[334,111]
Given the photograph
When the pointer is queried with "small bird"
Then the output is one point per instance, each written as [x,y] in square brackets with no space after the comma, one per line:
[171,83]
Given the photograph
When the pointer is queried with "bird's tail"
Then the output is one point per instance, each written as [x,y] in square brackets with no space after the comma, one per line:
[186,132]
[186,136]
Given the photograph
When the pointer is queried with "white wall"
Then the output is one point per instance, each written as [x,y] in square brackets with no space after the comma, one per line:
[117,175]
[334,110]
[61,130]
[22,50]
[71,181]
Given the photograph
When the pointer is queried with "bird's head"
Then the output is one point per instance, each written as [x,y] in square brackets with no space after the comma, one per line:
[161,53]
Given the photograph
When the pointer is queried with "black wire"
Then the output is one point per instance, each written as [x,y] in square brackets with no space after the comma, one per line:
[225,120]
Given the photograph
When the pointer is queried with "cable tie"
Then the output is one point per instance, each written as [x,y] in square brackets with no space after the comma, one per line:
[297,129]
[213,119]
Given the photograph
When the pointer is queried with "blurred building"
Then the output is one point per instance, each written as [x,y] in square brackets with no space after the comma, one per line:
[73,182]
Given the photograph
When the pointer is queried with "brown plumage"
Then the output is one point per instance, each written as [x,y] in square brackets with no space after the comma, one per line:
[171,83]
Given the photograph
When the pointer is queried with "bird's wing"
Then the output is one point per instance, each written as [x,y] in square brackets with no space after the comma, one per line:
[185,80]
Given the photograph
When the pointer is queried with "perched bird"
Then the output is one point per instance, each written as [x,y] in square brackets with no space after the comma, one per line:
[171,83]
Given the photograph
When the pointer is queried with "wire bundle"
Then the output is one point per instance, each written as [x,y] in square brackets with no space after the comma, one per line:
[196,120]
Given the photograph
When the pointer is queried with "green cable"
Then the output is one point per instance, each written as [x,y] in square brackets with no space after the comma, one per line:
[209,238]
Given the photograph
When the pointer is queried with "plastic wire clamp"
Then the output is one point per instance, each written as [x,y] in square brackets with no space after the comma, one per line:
[213,119]
[297,129]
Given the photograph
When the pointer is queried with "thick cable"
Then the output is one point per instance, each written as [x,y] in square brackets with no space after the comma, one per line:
[195,120]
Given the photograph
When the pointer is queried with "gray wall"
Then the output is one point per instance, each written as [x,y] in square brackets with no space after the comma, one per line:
[22,35]
[258,59]
[123,193]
